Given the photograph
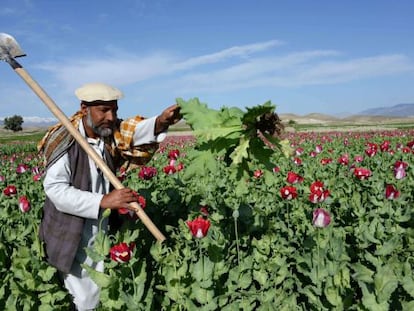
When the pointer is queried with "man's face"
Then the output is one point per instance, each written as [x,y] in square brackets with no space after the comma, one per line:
[101,119]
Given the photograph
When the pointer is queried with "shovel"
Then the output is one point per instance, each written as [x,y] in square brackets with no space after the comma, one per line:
[9,50]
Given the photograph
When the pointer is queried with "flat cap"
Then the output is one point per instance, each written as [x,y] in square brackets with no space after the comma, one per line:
[98,92]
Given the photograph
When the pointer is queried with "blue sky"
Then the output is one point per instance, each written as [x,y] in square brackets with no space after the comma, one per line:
[330,57]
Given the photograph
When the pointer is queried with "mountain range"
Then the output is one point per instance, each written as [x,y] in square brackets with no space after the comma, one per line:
[400,110]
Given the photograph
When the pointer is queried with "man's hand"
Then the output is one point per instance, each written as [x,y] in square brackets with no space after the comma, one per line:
[119,198]
[168,117]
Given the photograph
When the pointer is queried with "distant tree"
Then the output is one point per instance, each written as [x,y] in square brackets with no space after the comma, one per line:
[13,123]
[292,122]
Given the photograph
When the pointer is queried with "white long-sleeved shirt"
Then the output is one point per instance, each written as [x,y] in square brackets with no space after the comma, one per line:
[85,204]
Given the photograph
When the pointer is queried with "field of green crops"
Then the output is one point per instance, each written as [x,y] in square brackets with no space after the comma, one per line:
[330,227]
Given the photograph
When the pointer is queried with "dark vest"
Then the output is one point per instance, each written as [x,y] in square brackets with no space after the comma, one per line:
[61,232]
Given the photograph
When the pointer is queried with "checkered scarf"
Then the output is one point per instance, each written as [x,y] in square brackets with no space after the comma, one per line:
[58,139]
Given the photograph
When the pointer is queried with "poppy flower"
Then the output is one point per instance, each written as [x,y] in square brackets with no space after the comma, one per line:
[391,192]
[326,161]
[10,191]
[199,227]
[169,169]
[24,204]
[297,161]
[121,252]
[258,173]
[180,167]
[22,168]
[293,178]
[288,192]
[385,145]
[321,218]
[399,169]
[318,193]
[362,173]
[147,172]
[318,149]
[174,154]
[344,159]
[371,150]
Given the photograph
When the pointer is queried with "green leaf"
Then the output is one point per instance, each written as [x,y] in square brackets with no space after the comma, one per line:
[240,152]
[385,283]
[362,273]
[103,280]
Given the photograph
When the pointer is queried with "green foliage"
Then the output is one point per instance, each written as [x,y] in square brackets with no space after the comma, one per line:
[13,123]
[231,134]
[261,252]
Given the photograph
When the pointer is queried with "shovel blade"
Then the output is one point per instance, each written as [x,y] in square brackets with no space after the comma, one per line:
[9,48]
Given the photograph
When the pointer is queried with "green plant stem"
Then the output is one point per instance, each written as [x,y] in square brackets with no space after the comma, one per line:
[237,240]
[319,256]
[133,281]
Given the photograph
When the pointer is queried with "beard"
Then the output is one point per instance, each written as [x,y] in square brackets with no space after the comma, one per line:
[99,130]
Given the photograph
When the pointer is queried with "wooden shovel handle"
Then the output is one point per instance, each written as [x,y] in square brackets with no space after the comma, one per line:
[88,149]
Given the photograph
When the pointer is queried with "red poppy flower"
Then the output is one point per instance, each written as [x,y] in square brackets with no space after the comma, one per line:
[174,154]
[344,159]
[147,172]
[318,193]
[122,252]
[24,204]
[199,227]
[362,173]
[10,191]
[288,192]
[169,169]
[293,178]
[326,161]
[391,192]
[385,145]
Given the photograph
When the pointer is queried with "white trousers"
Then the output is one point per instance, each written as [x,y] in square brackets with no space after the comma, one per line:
[83,289]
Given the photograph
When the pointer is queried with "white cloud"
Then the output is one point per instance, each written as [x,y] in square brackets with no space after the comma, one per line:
[239,67]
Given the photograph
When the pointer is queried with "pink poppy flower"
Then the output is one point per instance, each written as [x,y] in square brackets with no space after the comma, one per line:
[257,174]
[321,218]
[22,168]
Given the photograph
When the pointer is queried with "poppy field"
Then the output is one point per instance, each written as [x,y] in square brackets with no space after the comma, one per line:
[328,227]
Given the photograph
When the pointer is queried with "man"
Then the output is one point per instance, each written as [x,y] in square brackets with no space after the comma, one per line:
[76,190]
